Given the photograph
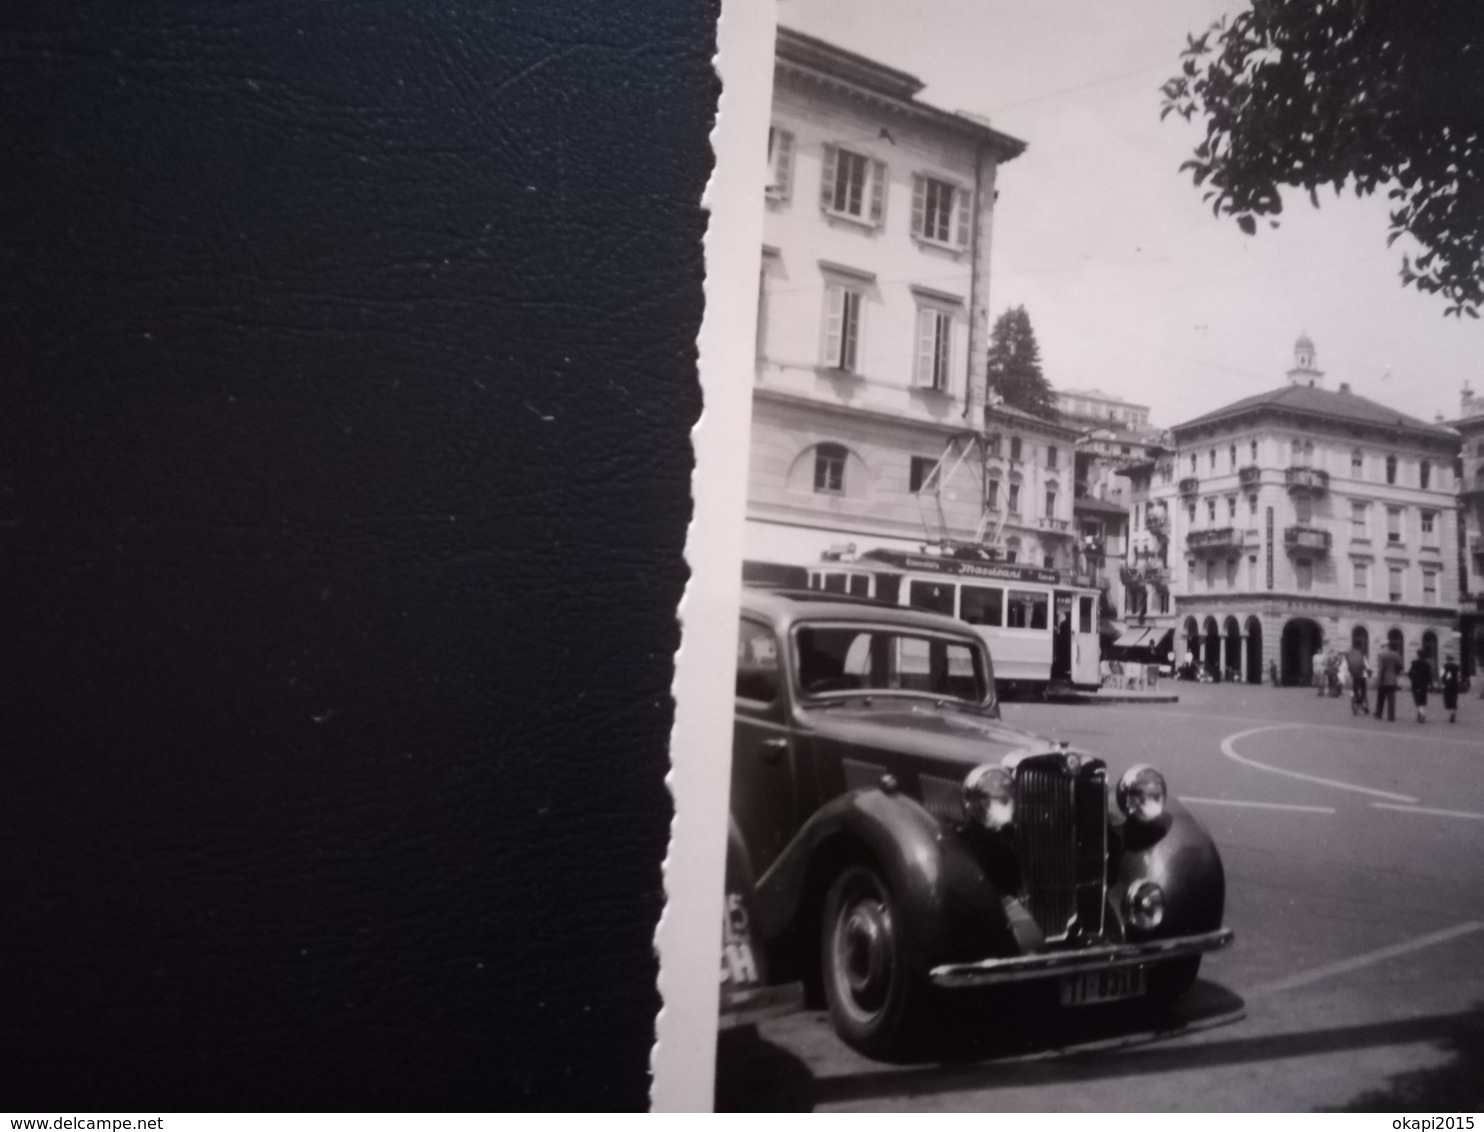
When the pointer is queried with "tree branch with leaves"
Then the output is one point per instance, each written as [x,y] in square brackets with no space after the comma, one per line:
[1317,94]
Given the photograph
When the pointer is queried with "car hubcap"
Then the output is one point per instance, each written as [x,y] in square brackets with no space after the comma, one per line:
[863,952]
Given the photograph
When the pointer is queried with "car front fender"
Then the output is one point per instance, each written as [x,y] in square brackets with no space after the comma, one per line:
[1178,854]
[952,910]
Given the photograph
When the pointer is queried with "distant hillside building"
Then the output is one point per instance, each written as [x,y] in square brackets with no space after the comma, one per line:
[1298,520]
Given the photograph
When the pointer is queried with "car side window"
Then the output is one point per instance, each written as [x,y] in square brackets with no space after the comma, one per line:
[757,662]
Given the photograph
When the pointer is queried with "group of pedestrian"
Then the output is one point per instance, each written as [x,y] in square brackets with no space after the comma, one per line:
[1388,672]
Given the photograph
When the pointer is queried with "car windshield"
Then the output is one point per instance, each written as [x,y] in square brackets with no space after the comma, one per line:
[854,658]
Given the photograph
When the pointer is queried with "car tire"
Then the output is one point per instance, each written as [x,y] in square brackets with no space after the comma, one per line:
[875,1000]
[1169,981]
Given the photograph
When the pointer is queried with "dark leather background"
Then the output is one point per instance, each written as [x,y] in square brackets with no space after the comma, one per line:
[346,374]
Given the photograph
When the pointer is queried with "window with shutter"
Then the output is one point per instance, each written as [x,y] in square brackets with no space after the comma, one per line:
[965,221]
[780,163]
[878,193]
[934,349]
[842,327]
[828,157]
[919,204]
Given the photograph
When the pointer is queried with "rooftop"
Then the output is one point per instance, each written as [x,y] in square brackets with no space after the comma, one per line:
[1007,411]
[1088,505]
[1324,404]
[887,84]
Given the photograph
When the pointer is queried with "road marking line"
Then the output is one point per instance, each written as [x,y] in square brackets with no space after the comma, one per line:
[1263,805]
[1229,752]
[1363,726]
[1425,810]
[1304,978]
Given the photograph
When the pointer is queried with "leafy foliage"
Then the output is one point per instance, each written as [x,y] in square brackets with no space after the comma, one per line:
[1310,94]
[1015,365]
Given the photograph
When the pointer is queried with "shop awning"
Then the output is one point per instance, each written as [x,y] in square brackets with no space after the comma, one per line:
[1135,639]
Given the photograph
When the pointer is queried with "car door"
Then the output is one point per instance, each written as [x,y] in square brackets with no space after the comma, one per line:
[764,754]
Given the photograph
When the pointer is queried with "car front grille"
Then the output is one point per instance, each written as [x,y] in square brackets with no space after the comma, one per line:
[1061,818]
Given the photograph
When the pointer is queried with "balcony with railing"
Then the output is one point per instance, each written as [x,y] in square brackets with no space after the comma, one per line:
[1314,481]
[1190,485]
[1306,540]
[1214,541]
[1249,475]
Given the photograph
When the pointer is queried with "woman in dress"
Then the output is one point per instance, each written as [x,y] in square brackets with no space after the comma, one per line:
[1452,678]
[1420,674]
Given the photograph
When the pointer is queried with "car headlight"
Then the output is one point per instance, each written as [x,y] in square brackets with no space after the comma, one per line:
[1144,905]
[989,796]
[1142,793]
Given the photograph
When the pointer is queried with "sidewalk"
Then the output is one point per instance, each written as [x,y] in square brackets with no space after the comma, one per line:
[1112,696]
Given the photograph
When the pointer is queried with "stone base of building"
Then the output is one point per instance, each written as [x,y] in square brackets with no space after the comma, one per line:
[1274,639]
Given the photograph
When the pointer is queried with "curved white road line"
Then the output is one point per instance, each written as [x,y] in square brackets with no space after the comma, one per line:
[1230,752]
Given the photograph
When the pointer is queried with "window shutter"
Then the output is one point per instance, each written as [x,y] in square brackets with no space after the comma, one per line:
[943,378]
[878,192]
[827,178]
[834,318]
[922,373]
[783,165]
[962,199]
[919,204]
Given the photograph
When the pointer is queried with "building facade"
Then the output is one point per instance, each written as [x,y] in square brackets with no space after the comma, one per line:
[868,423]
[1470,520]
[1095,407]
[1302,520]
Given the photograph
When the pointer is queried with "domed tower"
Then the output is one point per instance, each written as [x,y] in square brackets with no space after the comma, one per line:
[1304,371]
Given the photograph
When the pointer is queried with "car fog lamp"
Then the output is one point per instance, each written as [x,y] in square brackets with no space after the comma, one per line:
[1144,905]
[989,796]
[1141,793]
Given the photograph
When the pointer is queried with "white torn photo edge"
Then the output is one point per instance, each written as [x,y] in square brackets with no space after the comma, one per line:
[683,1061]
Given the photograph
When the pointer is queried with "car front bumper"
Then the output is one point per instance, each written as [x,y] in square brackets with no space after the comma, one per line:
[1049,964]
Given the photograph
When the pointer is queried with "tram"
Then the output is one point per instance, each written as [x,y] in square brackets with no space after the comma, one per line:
[1041,630]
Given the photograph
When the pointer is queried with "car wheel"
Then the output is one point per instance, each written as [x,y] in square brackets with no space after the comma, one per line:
[874,998]
[1169,981]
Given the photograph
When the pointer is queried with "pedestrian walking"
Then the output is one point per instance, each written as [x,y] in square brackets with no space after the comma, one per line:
[1452,678]
[1388,676]
[1318,672]
[1420,674]
[1355,665]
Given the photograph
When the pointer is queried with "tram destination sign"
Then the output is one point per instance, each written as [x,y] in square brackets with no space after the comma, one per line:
[964,568]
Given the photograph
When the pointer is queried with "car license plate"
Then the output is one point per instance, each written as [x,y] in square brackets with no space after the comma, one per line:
[1102,986]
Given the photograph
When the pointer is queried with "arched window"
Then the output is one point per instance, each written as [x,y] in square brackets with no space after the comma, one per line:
[829,469]
[1297,453]
[1424,472]
[1357,464]
[1308,452]
[1391,469]
[1254,451]
[1232,456]
[1396,642]
[1361,639]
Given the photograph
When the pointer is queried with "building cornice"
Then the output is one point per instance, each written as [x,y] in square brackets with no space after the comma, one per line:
[860,78]
[955,427]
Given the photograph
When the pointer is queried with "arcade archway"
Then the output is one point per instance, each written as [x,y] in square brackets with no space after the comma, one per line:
[1302,638]
[1360,638]
[1211,652]
[1232,660]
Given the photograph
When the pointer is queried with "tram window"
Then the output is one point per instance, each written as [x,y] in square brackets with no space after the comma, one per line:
[936,596]
[1084,606]
[860,585]
[983,605]
[1028,610]
[834,583]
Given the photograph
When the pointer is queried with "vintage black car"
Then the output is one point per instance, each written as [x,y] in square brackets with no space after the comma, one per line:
[892,840]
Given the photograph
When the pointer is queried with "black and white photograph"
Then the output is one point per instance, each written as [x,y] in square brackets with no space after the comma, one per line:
[1108,695]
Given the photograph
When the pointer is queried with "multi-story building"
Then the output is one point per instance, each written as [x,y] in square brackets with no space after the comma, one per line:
[868,420]
[1470,517]
[1306,519]
[1149,604]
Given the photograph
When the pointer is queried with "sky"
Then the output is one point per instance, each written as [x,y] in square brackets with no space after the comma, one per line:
[1131,284]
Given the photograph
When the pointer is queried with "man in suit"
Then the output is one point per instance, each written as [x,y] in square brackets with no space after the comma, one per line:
[1388,676]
